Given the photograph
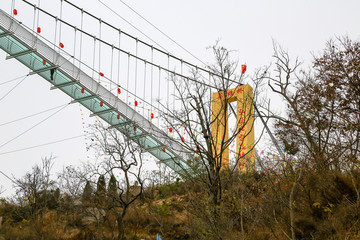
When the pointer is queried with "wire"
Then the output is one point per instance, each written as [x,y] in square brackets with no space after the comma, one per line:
[119,59]
[136,63]
[99,50]
[32,115]
[135,38]
[167,52]
[14,79]
[112,10]
[61,10]
[41,145]
[37,124]
[171,39]
[11,179]
[133,56]
[129,54]
[81,37]
[14,87]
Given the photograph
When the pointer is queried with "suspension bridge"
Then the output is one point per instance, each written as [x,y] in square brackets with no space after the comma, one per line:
[123,80]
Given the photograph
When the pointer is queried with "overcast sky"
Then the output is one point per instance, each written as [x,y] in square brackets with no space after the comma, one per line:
[249,27]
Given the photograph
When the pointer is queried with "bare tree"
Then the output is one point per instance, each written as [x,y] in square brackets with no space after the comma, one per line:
[33,189]
[123,165]
[200,125]
[72,180]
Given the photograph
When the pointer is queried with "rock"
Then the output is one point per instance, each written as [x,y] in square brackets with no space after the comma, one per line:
[135,190]
[87,220]
[95,212]
[92,215]
[77,202]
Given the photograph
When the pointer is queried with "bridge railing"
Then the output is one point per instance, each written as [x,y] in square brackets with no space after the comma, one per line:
[22,44]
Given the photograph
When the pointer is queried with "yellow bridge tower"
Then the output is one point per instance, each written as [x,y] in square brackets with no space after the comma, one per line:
[245,140]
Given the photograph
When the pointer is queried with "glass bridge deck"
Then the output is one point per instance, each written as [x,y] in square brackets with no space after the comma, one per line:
[43,60]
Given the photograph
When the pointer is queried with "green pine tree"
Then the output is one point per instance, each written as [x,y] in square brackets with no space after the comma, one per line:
[87,191]
[101,186]
[112,184]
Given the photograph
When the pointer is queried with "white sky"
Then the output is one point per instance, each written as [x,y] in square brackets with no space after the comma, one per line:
[302,27]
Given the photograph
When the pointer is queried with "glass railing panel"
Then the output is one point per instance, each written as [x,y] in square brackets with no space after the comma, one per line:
[15,46]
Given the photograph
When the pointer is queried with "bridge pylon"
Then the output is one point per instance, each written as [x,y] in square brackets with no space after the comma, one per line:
[245,138]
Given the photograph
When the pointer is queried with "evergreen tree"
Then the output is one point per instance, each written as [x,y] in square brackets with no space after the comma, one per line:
[112,184]
[87,191]
[101,186]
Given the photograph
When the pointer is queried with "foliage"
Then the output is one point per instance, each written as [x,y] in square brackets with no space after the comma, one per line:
[112,188]
[323,111]
[101,186]
[87,193]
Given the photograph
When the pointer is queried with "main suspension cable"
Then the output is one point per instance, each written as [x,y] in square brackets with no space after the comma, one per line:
[140,41]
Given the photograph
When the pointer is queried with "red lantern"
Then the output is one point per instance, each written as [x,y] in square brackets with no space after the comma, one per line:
[243,69]
[15,12]
[152,115]
[197,150]
[44,62]
[82,90]
[119,91]
[101,104]
[163,149]
[183,139]
[101,74]
[39,30]
[136,103]
[134,128]
[170,129]
[118,116]
[61,45]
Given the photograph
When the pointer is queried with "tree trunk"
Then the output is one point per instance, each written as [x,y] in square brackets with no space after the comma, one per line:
[121,226]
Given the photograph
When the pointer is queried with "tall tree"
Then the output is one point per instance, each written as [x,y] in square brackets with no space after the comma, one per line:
[319,129]
[101,186]
[126,159]
[196,128]
[35,187]
[112,187]
[323,112]
[87,193]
